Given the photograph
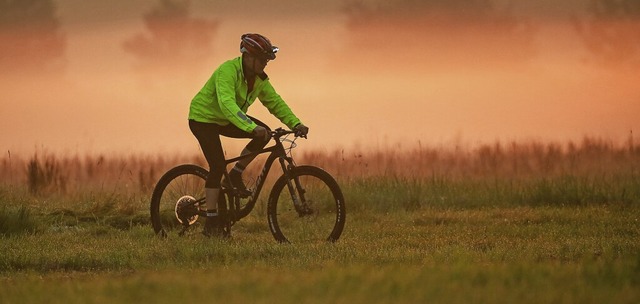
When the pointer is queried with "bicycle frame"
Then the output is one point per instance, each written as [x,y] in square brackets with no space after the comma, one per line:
[276,151]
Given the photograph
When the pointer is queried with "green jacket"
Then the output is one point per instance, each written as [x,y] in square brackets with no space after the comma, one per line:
[224,99]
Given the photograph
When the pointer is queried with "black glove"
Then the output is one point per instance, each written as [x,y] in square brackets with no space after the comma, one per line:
[301,130]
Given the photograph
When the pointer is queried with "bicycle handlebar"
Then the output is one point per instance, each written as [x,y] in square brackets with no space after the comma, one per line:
[279,132]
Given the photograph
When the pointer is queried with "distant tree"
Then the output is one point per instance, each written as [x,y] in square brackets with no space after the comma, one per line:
[173,38]
[30,38]
[611,32]
[467,31]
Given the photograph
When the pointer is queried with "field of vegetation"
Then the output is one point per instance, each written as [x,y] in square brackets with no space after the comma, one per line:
[501,223]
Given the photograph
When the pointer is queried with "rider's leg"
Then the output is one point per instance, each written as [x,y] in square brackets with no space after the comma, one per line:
[212,195]
[212,225]
[209,139]
[238,169]
[255,144]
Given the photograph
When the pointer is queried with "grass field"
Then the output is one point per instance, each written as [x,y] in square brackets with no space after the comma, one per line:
[517,223]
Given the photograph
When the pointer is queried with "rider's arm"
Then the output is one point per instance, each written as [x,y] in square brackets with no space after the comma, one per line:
[226,82]
[272,101]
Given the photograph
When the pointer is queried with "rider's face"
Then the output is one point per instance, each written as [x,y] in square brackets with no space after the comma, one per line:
[257,65]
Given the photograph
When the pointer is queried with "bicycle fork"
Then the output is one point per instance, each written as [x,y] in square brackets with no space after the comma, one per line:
[296,190]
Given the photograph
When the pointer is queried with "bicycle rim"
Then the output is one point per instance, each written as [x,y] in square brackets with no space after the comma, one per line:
[174,186]
[319,216]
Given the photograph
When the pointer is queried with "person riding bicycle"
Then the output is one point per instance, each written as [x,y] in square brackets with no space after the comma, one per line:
[220,108]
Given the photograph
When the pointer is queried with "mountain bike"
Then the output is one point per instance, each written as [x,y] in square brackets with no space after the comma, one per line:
[306,203]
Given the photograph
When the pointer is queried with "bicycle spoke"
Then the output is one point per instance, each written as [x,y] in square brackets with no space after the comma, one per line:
[181,184]
[315,218]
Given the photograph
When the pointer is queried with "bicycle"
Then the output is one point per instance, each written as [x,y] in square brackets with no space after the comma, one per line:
[311,209]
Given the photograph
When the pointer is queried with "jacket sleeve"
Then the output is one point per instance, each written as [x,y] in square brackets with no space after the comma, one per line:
[225,84]
[276,106]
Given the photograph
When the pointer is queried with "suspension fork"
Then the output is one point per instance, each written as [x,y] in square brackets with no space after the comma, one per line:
[296,190]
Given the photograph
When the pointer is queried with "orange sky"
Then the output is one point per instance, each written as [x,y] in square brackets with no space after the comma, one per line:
[403,91]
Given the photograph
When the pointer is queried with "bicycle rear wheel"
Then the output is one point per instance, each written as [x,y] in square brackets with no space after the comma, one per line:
[307,207]
[177,198]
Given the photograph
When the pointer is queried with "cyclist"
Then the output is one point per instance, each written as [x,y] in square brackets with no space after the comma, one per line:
[220,108]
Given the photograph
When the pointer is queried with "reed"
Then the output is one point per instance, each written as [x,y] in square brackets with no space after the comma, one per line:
[512,160]
[592,171]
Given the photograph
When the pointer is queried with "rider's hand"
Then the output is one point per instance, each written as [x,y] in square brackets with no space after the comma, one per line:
[261,132]
[301,130]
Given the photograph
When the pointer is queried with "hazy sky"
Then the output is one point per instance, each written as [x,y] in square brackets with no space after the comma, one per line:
[393,82]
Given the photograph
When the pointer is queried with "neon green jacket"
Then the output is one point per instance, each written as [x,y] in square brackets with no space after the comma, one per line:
[224,99]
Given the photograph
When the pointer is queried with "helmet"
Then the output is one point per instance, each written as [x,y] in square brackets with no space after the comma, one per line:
[258,45]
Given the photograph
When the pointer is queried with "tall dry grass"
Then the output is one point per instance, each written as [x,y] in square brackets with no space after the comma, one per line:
[513,160]
[67,189]
[592,170]
[46,173]
[115,189]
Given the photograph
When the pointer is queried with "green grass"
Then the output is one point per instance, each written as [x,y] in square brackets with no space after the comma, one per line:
[584,254]
[403,193]
[17,221]
[518,223]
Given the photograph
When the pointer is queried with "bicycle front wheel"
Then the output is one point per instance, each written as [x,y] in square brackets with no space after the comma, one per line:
[306,207]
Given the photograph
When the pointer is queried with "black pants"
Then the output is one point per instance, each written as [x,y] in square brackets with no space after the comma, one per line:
[208,135]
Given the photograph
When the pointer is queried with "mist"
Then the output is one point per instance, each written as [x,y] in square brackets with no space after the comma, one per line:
[117,77]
